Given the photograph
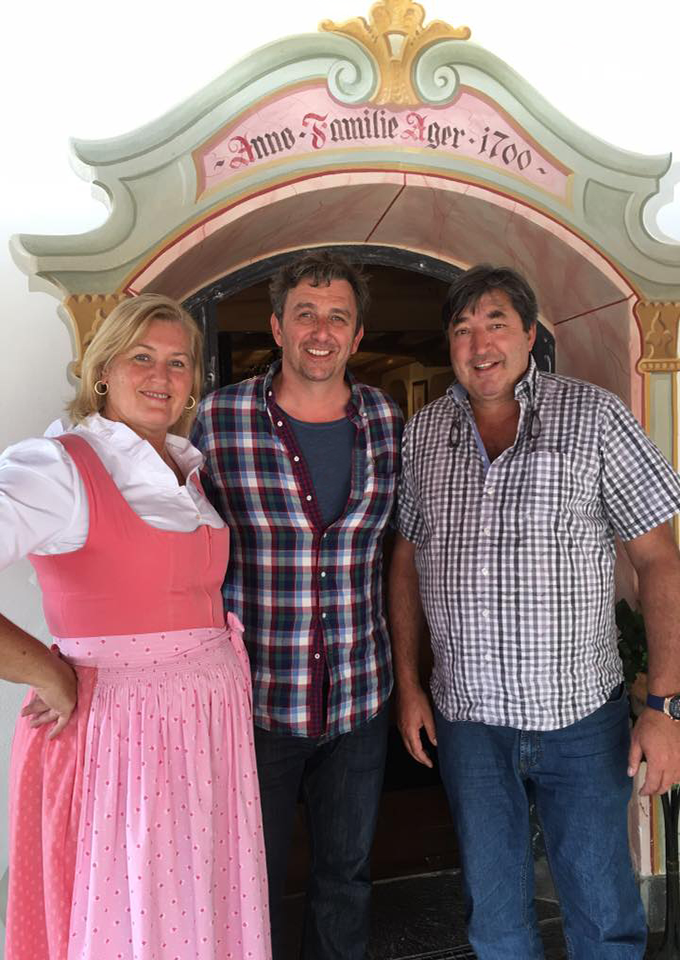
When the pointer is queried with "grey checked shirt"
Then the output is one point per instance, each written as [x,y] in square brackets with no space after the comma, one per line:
[515,558]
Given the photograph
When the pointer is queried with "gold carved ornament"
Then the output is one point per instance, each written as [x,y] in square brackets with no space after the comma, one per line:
[395,36]
[659,323]
[87,312]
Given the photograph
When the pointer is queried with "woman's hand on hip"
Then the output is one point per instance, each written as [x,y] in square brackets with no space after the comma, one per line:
[55,699]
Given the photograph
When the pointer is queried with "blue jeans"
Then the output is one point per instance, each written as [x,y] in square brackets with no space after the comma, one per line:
[577,778]
[341,781]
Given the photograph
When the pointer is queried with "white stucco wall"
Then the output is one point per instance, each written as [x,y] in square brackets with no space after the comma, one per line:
[74,69]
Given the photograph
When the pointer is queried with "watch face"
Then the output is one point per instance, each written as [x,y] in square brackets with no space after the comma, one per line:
[674,706]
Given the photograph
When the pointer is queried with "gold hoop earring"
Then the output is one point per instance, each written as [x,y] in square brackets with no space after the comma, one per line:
[98,384]
[191,404]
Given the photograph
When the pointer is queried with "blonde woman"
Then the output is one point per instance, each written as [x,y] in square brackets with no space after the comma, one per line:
[134,808]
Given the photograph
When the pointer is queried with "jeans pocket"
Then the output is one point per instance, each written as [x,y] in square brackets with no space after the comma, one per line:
[617,694]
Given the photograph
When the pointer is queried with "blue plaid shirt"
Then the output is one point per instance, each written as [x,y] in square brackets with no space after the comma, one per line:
[310,597]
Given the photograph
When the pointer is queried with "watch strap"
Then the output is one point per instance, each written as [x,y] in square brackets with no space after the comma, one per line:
[656,703]
[668,705]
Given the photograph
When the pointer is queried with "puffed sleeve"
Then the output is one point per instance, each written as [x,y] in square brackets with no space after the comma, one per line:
[42,503]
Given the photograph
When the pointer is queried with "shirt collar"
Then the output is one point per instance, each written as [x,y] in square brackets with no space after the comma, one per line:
[126,441]
[525,388]
[267,391]
[355,405]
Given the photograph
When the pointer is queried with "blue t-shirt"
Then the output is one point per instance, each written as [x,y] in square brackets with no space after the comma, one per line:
[327,450]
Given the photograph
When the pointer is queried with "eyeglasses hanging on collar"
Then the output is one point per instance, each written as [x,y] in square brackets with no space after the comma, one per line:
[533,432]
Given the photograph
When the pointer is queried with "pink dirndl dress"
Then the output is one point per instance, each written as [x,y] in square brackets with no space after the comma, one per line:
[136,834]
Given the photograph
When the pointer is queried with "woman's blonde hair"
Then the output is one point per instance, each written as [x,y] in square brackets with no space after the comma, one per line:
[124,325]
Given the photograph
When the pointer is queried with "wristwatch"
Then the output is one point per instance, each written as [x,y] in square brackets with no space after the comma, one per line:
[668,705]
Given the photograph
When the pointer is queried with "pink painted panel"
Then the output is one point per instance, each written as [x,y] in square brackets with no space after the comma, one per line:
[308,120]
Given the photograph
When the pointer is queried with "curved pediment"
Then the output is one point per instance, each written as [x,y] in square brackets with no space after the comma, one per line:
[389,95]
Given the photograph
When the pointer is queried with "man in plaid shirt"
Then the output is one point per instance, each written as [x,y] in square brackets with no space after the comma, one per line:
[302,463]
[513,488]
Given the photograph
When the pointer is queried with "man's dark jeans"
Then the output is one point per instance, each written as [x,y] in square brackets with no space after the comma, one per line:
[341,781]
[577,776]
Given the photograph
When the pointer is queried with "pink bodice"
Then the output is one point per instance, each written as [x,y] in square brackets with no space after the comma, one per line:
[130,577]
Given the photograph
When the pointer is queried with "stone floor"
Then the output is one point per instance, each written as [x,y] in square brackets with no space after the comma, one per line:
[421,918]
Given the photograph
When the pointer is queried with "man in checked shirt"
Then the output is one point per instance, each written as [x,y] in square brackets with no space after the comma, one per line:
[302,464]
[513,488]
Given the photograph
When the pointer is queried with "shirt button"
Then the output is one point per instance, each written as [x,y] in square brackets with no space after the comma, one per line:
[279,423]
[269,393]
[489,491]
[485,572]
[317,656]
[296,458]
[485,614]
[324,615]
[308,497]
[323,573]
[324,536]
[488,656]
[487,531]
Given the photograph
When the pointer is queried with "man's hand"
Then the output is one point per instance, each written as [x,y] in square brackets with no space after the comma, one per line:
[54,700]
[656,738]
[413,714]
[407,624]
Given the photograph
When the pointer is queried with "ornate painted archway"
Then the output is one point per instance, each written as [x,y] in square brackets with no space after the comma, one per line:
[395,132]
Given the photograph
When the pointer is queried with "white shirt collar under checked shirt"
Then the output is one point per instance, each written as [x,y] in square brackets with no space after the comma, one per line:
[515,557]
[43,506]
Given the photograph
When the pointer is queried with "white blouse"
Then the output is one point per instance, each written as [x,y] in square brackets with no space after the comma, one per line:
[43,504]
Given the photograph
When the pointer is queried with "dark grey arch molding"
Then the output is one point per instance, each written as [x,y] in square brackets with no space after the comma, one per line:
[365,254]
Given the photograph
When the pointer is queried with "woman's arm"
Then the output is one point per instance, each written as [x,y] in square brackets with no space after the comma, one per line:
[40,496]
[23,659]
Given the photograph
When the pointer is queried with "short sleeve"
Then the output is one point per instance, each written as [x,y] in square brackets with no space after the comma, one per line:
[41,500]
[640,489]
[408,520]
